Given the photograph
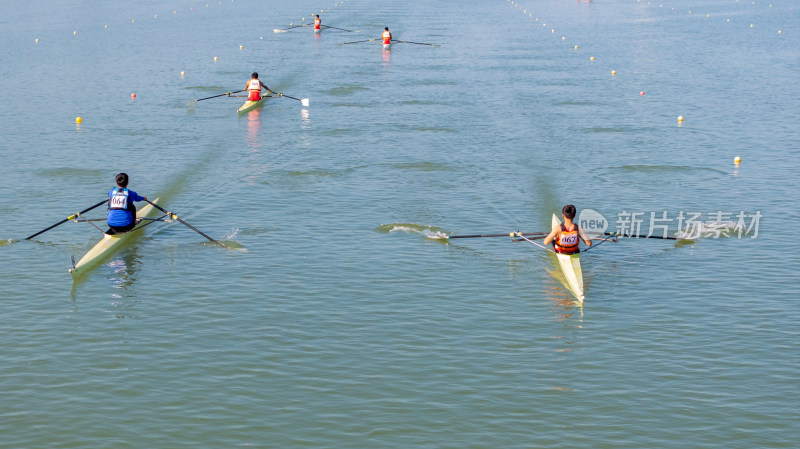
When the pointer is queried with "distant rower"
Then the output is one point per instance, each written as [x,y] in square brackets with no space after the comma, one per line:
[567,236]
[386,36]
[121,211]
[254,87]
[317,24]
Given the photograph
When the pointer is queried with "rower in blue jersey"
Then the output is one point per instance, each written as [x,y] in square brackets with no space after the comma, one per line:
[121,211]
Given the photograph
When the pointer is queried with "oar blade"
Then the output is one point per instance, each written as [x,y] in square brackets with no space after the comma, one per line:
[304,102]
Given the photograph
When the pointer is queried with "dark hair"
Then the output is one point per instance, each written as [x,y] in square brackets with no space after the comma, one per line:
[569,211]
[386,28]
[254,75]
[122,180]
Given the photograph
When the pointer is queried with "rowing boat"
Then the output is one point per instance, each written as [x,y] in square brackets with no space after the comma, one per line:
[571,268]
[250,105]
[386,46]
[110,243]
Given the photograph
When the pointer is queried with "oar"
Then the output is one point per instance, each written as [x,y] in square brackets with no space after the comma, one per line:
[326,26]
[220,95]
[175,217]
[640,236]
[511,234]
[283,30]
[304,101]
[71,217]
[409,42]
[517,234]
[613,234]
[355,42]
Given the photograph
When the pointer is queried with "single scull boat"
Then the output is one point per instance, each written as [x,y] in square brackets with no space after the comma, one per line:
[571,268]
[250,105]
[111,243]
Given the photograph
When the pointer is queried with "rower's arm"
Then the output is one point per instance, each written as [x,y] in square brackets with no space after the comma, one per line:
[551,236]
[585,238]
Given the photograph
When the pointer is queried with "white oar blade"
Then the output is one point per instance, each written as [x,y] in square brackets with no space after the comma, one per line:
[304,101]
[275,30]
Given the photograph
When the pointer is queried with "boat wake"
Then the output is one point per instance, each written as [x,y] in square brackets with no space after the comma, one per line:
[430,232]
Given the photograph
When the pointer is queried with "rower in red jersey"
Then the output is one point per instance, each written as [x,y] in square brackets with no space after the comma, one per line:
[387,37]
[254,87]
[317,24]
[566,236]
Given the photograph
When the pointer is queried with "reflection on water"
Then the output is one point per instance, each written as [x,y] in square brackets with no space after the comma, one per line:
[306,121]
[253,128]
[387,52]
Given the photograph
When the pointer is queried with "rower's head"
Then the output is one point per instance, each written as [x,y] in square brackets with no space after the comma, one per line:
[122,180]
[385,28]
[317,16]
[568,211]
[254,75]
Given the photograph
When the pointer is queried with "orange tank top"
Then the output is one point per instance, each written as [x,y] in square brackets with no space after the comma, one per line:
[567,241]
[387,37]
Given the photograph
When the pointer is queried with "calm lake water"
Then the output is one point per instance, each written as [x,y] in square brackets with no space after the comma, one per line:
[336,321]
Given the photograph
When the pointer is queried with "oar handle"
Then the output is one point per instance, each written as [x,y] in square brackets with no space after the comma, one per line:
[71,217]
[175,217]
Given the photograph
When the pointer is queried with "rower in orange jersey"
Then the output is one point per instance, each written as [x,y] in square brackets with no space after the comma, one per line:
[386,36]
[254,87]
[317,24]
[567,236]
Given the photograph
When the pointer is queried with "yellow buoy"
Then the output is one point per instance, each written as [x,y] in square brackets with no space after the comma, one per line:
[155,16]
[680,118]
[74,33]
[215,58]
[737,160]
[78,120]
[183,73]
[241,47]
[576,47]
[37,40]
[106,26]
[613,72]
[132,20]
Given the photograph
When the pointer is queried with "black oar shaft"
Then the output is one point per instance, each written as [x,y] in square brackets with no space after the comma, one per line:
[508,234]
[71,217]
[220,95]
[640,236]
[409,42]
[355,42]
[326,26]
[175,217]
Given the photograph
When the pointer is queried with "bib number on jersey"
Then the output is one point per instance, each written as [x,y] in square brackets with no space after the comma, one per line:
[119,202]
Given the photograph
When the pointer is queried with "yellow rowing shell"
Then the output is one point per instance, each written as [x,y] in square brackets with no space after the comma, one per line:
[250,105]
[110,244]
[571,268]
